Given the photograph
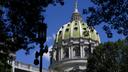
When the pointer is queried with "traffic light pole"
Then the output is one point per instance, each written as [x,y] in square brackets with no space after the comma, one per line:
[40,63]
[43,49]
[41,54]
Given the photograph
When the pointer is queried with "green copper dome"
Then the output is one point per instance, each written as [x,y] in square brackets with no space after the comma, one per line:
[76,28]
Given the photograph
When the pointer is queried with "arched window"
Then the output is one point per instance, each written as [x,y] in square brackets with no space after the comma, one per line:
[65,53]
[76,51]
[86,52]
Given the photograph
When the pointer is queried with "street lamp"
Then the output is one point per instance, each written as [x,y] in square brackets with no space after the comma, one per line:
[43,49]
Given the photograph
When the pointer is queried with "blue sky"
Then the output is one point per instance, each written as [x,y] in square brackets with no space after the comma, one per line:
[55,17]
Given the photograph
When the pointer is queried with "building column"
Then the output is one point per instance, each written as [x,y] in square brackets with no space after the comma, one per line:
[81,52]
[92,49]
[69,52]
[61,53]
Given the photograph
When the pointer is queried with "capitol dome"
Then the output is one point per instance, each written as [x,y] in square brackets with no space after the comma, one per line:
[74,42]
[76,29]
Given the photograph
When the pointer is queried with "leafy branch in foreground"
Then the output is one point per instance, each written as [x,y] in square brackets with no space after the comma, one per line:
[22,25]
[114,13]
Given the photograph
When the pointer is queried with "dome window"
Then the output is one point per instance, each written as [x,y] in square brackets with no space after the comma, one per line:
[67,30]
[75,28]
[92,30]
[84,28]
[86,33]
[75,23]
[60,32]
[68,24]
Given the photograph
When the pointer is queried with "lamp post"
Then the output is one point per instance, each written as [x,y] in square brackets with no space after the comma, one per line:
[43,49]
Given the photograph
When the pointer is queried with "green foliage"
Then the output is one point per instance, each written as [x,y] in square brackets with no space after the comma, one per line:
[112,12]
[109,57]
[4,66]
[8,68]
[21,24]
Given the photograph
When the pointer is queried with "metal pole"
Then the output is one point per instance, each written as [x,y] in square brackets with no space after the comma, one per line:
[41,54]
[42,40]
[40,63]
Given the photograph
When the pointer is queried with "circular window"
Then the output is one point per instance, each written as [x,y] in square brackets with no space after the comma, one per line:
[84,28]
[75,23]
[67,30]
[60,32]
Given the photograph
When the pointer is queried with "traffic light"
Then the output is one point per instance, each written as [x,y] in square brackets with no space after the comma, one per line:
[36,54]
[36,61]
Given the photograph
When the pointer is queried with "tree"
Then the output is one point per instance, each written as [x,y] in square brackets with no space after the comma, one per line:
[21,24]
[114,13]
[109,57]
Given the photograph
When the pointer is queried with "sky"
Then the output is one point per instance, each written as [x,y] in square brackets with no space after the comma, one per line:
[55,17]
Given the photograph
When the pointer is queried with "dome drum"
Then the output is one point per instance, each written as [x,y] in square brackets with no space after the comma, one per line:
[71,50]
